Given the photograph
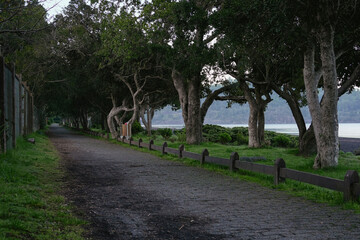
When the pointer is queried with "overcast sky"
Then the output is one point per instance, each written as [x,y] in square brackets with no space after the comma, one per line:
[54,6]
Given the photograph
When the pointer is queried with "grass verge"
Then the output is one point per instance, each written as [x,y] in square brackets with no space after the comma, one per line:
[30,204]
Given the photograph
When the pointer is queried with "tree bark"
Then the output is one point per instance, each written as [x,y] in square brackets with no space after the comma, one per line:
[149,116]
[307,142]
[328,146]
[253,125]
[253,116]
[189,97]
[261,125]
[324,116]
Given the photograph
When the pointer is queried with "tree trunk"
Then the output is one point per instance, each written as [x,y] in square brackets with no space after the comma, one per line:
[328,146]
[190,104]
[253,126]
[194,124]
[149,116]
[111,125]
[307,142]
[261,125]
[324,117]
[111,121]
[83,121]
[254,116]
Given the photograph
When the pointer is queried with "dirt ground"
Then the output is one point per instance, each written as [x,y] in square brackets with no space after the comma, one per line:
[126,194]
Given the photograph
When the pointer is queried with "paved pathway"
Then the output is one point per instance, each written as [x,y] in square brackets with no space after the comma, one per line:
[127,194]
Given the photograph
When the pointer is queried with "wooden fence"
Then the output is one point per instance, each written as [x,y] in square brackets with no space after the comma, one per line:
[350,186]
[18,115]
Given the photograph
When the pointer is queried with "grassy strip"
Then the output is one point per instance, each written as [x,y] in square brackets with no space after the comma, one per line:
[347,161]
[317,194]
[30,204]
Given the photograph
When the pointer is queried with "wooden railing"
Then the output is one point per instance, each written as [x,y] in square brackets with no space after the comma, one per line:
[350,186]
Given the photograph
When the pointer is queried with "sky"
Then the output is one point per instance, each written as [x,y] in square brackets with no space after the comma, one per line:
[54,6]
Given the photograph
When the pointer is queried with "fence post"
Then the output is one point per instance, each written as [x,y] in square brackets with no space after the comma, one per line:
[204,153]
[2,106]
[233,157]
[181,149]
[123,139]
[279,163]
[163,148]
[150,144]
[351,177]
[139,143]
[130,140]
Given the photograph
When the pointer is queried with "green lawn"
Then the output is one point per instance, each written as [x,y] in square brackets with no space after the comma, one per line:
[31,206]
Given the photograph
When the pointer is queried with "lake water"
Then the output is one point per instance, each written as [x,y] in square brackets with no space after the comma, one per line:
[349,130]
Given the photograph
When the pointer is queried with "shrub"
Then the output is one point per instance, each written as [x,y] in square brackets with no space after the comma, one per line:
[136,128]
[173,138]
[181,136]
[241,139]
[281,141]
[224,137]
[165,133]
[212,132]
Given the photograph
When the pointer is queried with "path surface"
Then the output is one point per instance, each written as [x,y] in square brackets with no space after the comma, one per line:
[127,194]
[349,144]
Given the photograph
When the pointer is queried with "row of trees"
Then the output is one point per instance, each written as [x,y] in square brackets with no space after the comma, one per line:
[123,61]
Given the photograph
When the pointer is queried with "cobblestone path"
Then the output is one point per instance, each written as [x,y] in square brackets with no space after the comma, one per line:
[126,194]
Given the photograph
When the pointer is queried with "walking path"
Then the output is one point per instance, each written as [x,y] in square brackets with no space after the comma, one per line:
[126,194]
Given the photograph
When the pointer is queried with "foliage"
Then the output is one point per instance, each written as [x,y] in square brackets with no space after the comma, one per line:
[166,133]
[281,141]
[136,128]
[181,135]
[224,138]
[241,139]
[30,206]
[173,138]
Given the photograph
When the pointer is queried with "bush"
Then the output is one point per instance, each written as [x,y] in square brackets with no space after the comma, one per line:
[136,128]
[281,141]
[212,132]
[173,138]
[224,138]
[181,136]
[241,139]
[166,133]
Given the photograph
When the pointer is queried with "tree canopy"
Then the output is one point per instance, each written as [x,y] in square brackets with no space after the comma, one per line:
[122,61]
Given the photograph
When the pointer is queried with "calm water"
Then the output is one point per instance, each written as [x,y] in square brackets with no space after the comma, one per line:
[349,130]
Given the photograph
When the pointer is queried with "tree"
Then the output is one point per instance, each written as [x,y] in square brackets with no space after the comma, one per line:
[135,62]
[185,31]
[319,21]
[73,73]
[20,22]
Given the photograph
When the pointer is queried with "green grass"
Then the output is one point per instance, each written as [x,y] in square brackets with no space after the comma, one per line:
[30,204]
[347,161]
